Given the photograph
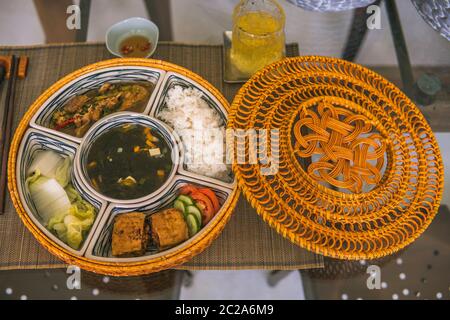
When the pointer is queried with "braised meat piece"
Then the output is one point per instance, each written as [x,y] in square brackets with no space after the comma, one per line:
[109,103]
[80,112]
[130,235]
[105,87]
[75,104]
[136,94]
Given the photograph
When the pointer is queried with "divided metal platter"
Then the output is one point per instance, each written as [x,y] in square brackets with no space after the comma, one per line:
[35,134]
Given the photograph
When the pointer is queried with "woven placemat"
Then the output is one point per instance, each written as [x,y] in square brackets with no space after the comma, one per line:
[246,243]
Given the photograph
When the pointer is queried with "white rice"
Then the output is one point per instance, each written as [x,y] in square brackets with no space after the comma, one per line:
[201,130]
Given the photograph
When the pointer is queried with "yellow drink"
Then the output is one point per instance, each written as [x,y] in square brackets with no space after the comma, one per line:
[258,40]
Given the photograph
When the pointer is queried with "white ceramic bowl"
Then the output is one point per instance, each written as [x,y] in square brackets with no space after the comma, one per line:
[129,27]
[115,120]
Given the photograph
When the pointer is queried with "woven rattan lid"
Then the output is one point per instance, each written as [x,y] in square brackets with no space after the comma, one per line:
[345,164]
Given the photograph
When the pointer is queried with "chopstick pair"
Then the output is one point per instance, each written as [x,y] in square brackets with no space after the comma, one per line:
[7,123]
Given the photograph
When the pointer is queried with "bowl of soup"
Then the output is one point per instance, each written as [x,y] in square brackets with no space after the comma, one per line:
[128,158]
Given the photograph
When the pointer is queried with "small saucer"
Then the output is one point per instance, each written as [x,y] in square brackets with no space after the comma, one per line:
[129,27]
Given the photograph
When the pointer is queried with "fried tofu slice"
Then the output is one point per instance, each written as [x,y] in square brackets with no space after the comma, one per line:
[130,235]
[168,228]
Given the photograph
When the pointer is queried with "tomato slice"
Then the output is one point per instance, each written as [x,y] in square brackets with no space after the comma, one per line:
[212,196]
[206,215]
[188,189]
[205,205]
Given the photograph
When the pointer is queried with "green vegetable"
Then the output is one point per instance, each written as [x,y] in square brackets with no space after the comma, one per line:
[48,196]
[71,226]
[193,210]
[51,165]
[63,210]
[186,200]
[62,173]
[73,194]
[83,210]
[178,204]
[74,231]
[192,224]
[46,162]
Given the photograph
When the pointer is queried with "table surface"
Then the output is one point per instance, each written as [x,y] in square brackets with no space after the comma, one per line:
[336,279]
[246,243]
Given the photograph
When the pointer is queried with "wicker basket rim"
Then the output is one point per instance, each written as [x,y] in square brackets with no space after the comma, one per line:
[175,258]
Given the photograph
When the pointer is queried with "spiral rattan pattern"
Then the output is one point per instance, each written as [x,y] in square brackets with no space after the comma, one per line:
[407,176]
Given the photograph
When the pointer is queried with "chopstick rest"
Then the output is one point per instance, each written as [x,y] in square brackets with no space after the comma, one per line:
[22,67]
[6,62]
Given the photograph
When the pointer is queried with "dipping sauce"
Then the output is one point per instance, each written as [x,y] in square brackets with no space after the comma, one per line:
[129,162]
[136,46]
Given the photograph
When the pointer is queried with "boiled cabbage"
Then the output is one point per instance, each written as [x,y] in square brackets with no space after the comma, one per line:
[49,198]
[60,206]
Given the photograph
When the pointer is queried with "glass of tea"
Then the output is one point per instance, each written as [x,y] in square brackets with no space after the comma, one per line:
[258,35]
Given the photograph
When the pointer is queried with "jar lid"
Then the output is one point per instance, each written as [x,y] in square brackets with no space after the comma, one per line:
[335,158]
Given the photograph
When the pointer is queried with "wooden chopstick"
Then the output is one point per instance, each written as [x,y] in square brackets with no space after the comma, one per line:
[7,125]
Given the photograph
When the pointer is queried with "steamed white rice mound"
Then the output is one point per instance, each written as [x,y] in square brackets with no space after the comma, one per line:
[200,128]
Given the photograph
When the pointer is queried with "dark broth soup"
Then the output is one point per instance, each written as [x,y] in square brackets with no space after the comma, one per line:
[129,162]
[78,114]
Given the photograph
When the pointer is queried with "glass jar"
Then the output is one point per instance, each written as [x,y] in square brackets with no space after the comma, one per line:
[258,35]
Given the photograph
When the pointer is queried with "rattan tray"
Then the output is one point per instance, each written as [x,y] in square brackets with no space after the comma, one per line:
[167,259]
[379,180]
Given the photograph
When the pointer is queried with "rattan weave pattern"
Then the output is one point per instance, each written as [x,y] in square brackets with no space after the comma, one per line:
[364,225]
[351,154]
